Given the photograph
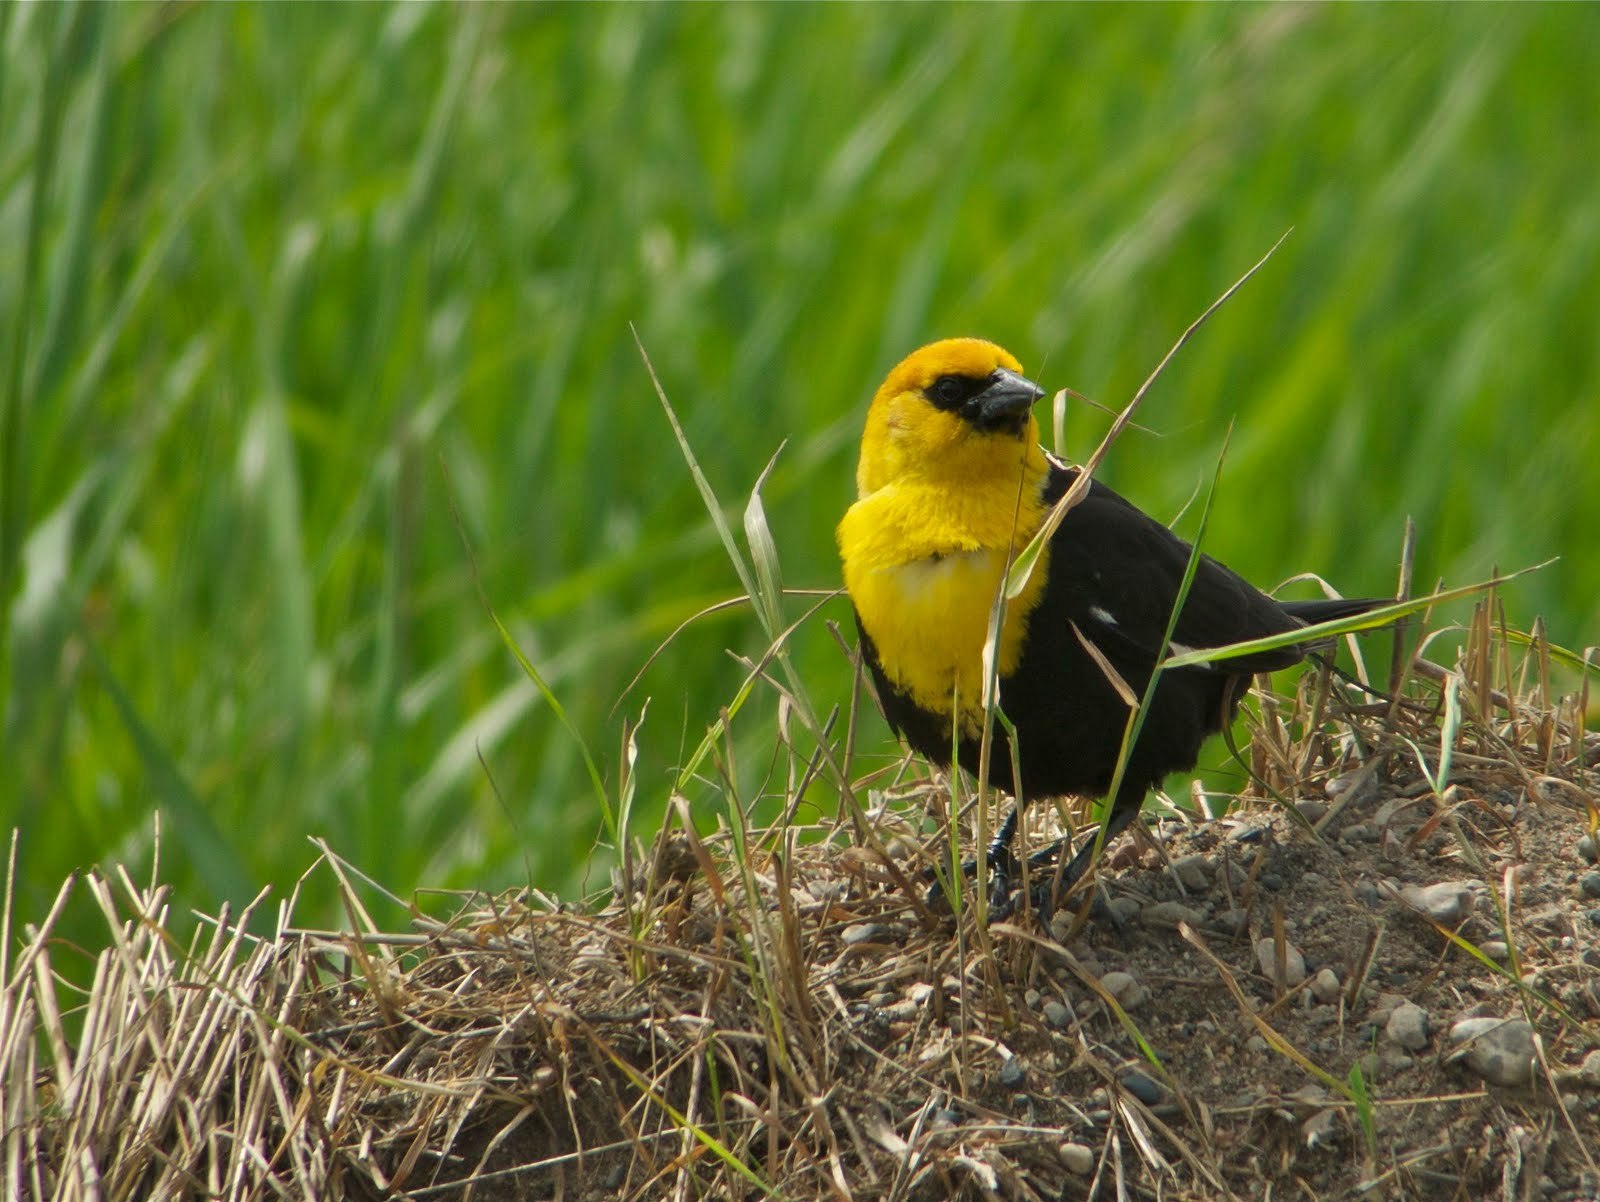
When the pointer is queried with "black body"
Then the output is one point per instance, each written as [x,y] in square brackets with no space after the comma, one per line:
[1115,572]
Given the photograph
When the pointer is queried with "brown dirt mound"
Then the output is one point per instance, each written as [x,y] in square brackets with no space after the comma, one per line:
[1278,1014]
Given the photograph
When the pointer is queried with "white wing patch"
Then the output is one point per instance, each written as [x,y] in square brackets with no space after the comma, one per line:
[1102,615]
[1176,648]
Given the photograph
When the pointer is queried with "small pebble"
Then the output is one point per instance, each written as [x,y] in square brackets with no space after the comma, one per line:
[1590,884]
[1446,902]
[1232,921]
[863,932]
[1057,1015]
[1391,1063]
[1143,1086]
[1589,1070]
[1325,986]
[1294,964]
[1340,784]
[1012,1074]
[1408,1026]
[1366,892]
[1031,998]
[1125,987]
[920,992]
[1170,914]
[1589,849]
[1195,873]
[1359,832]
[1387,811]
[1593,916]
[1078,1159]
[901,848]
[1271,882]
[1255,1044]
[1061,922]
[1310,1097]
[1312,811]
[1321,1130]
[1233,875]
[1498,1050]
[1123,910]
[1495,949]
[1384,1005]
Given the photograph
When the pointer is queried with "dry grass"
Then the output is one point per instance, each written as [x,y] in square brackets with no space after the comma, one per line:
[786,1021]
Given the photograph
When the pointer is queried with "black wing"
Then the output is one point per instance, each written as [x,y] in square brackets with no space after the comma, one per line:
[1120,572]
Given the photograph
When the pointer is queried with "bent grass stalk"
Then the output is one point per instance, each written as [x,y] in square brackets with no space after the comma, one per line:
[1137,714]
[1022,569]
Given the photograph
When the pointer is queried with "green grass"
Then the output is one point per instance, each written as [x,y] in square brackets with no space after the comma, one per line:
[283,289]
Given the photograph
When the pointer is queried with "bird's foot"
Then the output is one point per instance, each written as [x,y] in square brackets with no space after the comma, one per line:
[1051,891]
[1004,897]
[1003,868]
[1004,874]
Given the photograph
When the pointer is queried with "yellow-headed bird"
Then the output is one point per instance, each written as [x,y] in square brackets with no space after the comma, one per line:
[951,484]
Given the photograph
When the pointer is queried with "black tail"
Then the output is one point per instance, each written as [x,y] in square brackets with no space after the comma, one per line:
[1312,612]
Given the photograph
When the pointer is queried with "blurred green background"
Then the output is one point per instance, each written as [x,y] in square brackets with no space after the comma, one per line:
[287,291]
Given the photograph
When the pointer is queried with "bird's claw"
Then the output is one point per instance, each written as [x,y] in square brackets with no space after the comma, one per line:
[1045,895]
[1002,869]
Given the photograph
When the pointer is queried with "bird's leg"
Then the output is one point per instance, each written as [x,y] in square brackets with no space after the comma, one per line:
[1003,863]
[1002,866]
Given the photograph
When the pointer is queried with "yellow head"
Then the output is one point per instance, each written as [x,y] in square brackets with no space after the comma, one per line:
[955,411]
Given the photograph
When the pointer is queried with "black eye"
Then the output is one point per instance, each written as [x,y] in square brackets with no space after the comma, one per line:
[951,392]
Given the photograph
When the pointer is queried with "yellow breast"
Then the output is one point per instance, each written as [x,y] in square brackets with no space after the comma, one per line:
[924,579]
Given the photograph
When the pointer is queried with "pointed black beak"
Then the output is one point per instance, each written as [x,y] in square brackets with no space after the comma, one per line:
[1004,403]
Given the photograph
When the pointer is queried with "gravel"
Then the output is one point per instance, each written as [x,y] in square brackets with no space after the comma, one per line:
[1294,966]
[1498,1050]
[1127,990]
[1408,1026]
[1447,902]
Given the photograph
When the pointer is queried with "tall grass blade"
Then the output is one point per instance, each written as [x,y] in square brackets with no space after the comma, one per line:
[707,494]
[1022,568]
[1371,620]
[764,552]
[1136,716]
